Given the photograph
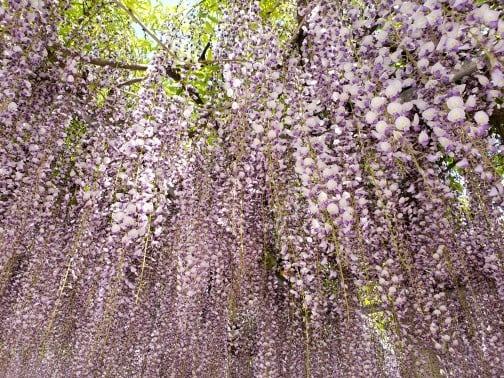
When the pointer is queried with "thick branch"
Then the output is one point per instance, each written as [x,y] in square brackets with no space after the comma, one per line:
[202,56]
[110,63]
[171,72]
[130,82]
[467,69]
[497,122]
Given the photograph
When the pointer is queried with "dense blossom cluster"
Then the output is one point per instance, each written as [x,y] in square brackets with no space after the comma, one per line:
[336,211]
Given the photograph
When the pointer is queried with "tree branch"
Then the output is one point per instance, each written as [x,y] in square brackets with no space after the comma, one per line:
[111,63]
[171,72]
[142,25]
[467,69]
[497,122]
[202,56]
[130,82]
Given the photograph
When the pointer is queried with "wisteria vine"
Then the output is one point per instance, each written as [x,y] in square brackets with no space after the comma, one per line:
[334,210]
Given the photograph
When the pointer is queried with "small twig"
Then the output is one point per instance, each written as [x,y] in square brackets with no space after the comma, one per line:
[142,25]
[202,56]
[199,63]
[450,166]
[195,96]
[83,22]
[130,82]
[194,6]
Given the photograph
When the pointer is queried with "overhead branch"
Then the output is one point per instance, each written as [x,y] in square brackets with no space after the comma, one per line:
[467,69]
[111,63]
[131,82]
[142,25]
[193,93]
[497,122]
[203,54]
[170,71]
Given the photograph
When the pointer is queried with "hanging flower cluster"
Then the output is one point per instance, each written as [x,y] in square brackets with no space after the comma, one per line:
[335,211]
